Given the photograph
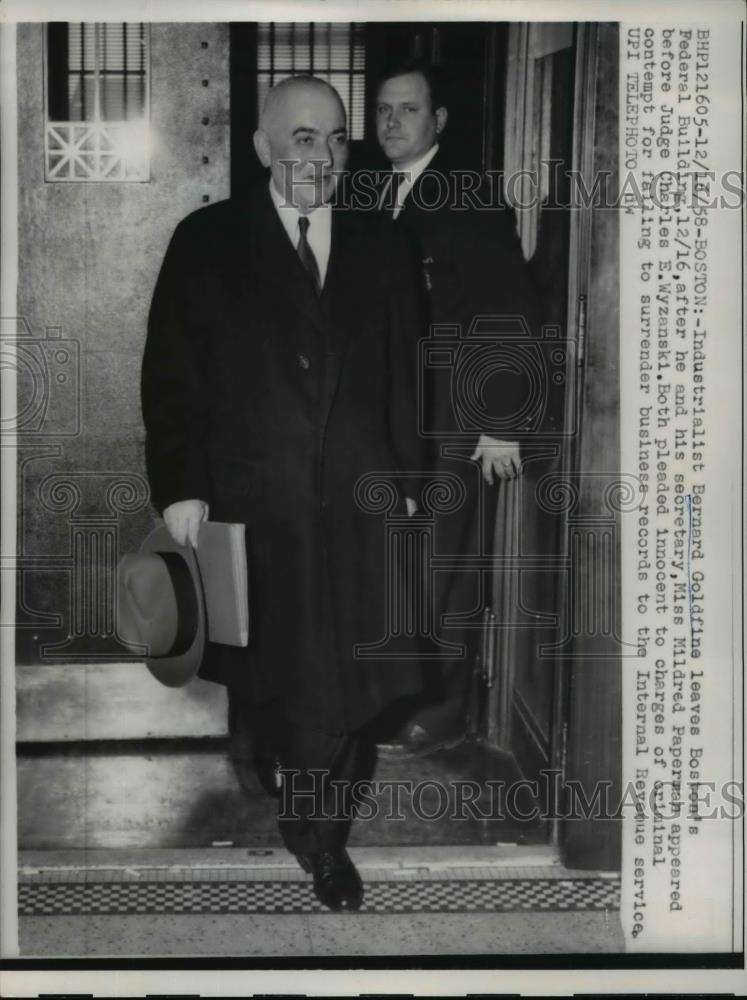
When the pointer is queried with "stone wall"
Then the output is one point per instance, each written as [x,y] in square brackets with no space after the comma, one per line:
[89,254]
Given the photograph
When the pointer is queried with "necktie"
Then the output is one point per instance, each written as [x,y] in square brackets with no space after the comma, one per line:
[307,254]
[391,191]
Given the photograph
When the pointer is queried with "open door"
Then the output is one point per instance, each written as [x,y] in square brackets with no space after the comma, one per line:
[551,654]
[525,619]
[591,652]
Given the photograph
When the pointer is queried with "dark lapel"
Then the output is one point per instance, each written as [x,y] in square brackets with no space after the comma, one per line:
[275,259]
[342,294]
[345,294]
[427,189]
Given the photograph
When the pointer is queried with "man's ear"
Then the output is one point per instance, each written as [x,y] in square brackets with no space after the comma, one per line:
[262,147]
[441,116]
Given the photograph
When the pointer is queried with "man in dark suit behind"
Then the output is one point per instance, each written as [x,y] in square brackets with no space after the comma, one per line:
[467,251]
[279,368]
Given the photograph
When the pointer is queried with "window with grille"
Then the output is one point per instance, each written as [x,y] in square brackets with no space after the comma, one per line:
[97,102]
[335,52]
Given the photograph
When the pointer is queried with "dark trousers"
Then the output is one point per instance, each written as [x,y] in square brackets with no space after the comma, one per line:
[465,532]
[318,768]
[314,813]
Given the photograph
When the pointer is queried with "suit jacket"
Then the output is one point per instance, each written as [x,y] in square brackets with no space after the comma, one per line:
[482,376]
[269,403]
[471,266]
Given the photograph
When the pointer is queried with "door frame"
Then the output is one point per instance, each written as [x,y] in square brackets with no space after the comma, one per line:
[589,695]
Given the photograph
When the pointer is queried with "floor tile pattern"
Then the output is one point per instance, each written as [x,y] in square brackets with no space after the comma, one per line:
[296,896]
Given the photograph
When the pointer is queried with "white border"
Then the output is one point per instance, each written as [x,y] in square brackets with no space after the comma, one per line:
[8,289]
[332,982]
[370,10]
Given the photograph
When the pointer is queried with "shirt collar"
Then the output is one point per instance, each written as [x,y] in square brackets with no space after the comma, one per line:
[289,214]
[319,234]
[416,169]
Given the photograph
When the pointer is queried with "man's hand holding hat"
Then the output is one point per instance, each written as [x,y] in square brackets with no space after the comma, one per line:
[183,520]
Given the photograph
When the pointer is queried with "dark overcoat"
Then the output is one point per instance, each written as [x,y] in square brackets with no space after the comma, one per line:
[270,403]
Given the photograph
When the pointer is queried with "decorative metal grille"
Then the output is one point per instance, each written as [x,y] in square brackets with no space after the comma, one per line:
[97,126]
[335,52]
[99,151]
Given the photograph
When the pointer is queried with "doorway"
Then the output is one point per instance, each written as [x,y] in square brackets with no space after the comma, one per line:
[540,707]
[511,110]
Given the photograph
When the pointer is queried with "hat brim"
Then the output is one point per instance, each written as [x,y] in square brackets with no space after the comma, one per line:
[180,669]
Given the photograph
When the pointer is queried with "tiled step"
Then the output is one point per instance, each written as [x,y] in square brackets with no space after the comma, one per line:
[219,902]
[226,896]
[426,860]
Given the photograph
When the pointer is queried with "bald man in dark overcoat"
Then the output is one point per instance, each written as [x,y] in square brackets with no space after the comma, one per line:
[273,381]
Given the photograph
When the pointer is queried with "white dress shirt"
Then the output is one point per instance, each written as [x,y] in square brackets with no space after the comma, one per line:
[319,234]
[411,175]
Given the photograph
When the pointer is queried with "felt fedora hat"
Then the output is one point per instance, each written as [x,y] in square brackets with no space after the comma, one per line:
[161,607]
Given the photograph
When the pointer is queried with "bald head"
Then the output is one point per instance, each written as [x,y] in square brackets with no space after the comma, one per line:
[302,138]
[292,90]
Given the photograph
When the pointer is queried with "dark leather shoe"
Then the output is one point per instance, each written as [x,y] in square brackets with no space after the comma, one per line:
[337,883]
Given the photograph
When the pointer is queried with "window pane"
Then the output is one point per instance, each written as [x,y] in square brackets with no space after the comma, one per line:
[81,92]
[359,50]
[300,40]
[79,54]
[81,46]
[112,46]
[282,49]
[97,111]
[334,52]
[340,56]
[357,110]
[263,47]
[321,45]
[263,86]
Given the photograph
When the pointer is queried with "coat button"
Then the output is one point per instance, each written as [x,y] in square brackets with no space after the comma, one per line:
[303,361]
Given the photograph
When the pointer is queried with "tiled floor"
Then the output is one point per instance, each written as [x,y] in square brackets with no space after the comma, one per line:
[236,903]
[150,885]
